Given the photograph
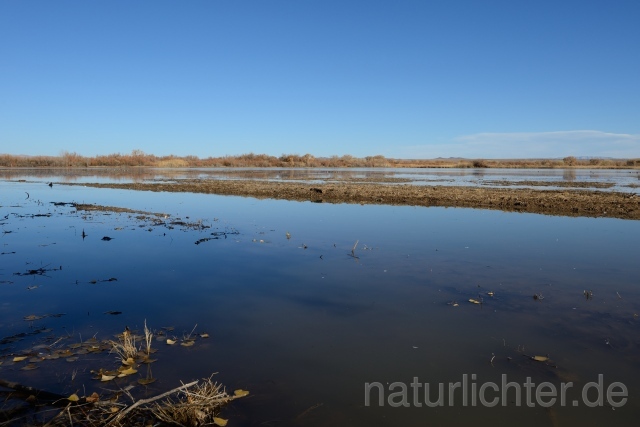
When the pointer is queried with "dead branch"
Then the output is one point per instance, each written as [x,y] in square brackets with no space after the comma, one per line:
[121,414]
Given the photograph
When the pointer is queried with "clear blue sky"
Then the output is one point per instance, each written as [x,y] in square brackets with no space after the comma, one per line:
[405,79]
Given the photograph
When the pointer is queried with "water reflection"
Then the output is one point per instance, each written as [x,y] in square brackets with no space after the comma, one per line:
[570,175]
[595,179]
[302,324]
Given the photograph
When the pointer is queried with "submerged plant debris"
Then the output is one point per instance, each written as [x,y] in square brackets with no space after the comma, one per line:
[38,350]
[197,403]
[38,271]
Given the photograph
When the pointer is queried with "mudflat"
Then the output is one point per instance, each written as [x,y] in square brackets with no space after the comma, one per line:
[565,202]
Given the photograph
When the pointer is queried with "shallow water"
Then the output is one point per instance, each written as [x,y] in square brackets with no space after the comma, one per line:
[305,329]
[622,180]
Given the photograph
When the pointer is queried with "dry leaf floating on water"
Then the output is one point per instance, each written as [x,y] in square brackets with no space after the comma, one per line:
[240,393]
[540,358]
[29,367]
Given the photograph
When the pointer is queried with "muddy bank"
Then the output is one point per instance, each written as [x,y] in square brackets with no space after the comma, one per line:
[551,202]
[88,207]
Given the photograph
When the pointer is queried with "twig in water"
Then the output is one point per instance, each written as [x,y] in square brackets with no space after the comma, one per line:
[188,337]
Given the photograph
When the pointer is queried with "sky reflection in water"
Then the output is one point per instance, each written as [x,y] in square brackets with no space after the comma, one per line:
[621,180]
[299,327]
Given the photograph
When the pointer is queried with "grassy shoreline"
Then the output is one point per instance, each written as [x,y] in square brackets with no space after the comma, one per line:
[139,159]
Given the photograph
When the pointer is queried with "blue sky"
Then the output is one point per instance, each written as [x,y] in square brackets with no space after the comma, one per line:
[405,79]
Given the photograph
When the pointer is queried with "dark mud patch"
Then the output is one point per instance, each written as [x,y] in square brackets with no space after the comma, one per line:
[576,203]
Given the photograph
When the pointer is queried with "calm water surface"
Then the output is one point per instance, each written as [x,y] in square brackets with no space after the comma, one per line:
[305,329]
[623,180]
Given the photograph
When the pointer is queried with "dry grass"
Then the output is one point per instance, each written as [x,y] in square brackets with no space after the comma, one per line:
[125,347]
[197,403]
[139,158]
[148,336]
[172,163]
[194,406]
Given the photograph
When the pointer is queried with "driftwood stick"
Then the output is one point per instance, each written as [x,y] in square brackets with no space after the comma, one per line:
[149,400]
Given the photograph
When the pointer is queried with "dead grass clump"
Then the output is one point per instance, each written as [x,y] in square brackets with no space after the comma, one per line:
[148,336]
[125,347]
[464,164]
[172,163]
[197,403]
[194,406]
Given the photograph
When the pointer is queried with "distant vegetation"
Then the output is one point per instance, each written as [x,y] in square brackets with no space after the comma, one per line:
[139,158]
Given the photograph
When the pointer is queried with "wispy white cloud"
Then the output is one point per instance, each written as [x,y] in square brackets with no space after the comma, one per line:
[532,145]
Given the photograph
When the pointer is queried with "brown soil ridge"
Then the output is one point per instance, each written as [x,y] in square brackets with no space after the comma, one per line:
[575,203]
[90,207]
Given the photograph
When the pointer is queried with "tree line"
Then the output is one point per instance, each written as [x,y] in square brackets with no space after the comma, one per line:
[139,158]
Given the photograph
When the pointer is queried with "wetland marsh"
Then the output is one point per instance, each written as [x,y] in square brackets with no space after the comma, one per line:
[300,314]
